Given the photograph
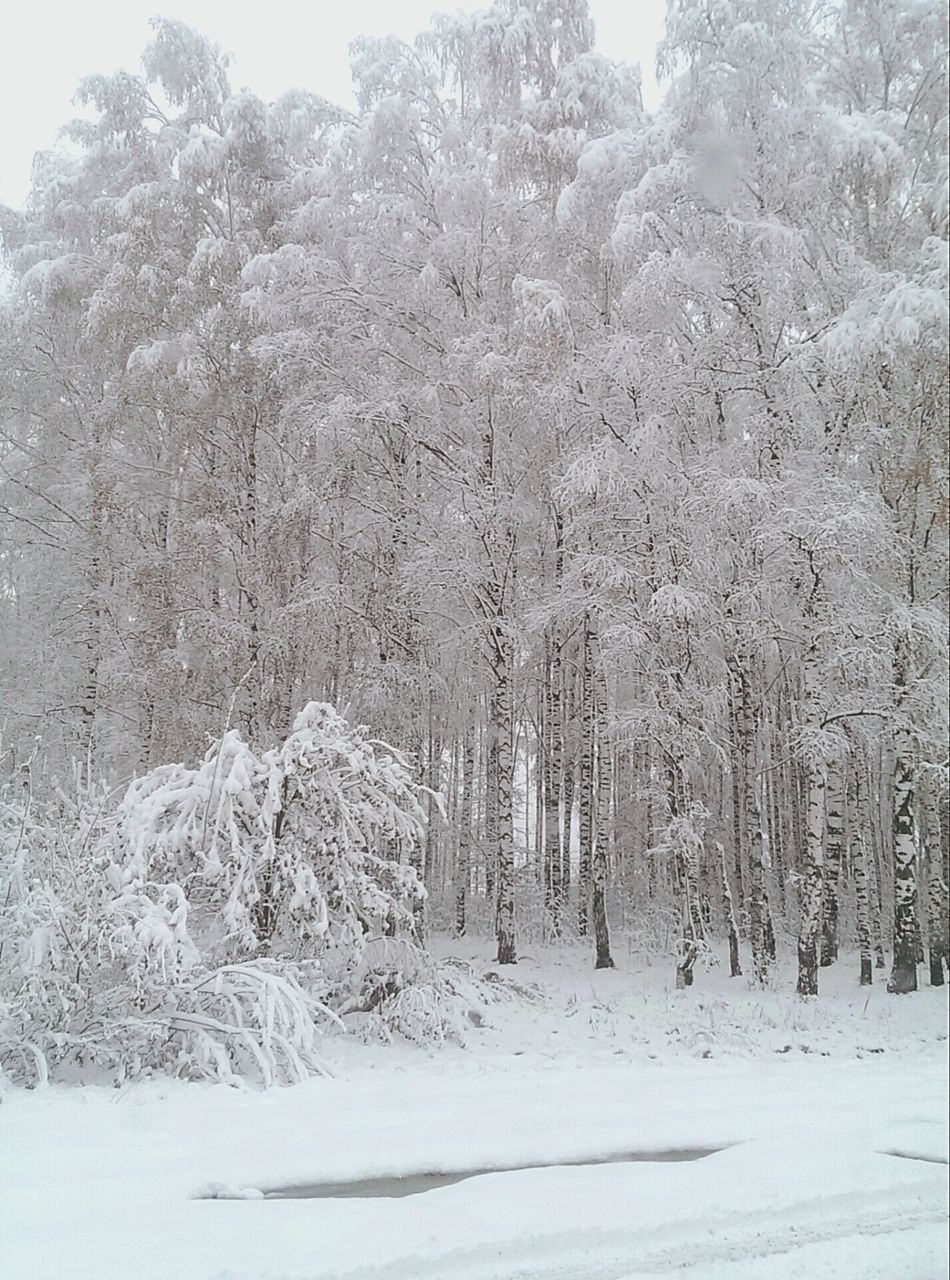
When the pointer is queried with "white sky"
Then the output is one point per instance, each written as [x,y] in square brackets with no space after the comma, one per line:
[47,46]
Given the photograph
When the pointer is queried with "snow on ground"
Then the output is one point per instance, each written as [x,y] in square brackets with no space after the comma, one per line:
[804,1100]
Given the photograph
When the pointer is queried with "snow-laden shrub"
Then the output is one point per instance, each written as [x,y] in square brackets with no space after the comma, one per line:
[213,921]
[295,852]
[399,990]
[404,992]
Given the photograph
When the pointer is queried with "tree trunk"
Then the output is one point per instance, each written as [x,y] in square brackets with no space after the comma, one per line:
[752,811]
[599,863]
[811,880]
[586,785]
[729,912]
[688,846]
[937,925]
[552,792]
[833,847]
[776,838]
[463,862]
[737,771]
[490,740]
[862,880]
[568,767]
[904,971]
[859,854]
[501,718]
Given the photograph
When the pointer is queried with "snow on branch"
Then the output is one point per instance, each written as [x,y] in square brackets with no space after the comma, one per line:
[209,922]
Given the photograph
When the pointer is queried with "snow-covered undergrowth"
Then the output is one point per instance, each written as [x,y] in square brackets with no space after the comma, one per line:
[101,1184]
[636,1012]
[216,921]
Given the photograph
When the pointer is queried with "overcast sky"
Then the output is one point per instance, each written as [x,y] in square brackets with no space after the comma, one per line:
[46,47]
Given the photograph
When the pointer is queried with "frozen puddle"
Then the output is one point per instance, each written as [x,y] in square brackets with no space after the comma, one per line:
[413,1184]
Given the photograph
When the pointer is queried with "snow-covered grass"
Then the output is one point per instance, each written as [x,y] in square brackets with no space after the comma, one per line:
[101,1184]
[634,1009]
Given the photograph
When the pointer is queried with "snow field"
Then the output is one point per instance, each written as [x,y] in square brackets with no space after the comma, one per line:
[100,1184]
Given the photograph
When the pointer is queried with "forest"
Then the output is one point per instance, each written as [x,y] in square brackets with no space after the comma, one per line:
[495,512]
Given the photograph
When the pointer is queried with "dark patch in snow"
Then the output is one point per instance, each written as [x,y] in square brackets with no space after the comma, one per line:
[915,1155]
[411,1184]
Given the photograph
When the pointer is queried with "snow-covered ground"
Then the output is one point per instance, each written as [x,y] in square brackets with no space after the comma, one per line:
[806,1102]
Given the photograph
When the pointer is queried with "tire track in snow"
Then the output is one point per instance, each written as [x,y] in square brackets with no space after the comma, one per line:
[706,1241]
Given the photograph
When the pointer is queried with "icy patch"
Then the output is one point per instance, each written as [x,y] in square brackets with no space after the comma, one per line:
[411,1184]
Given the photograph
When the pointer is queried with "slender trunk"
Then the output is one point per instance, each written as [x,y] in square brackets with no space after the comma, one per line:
[463,862]
[91,607]
[813,852]
[505,848]
[729,912]
[811,882]
[859,855]
[586,785]
[491,802]
[747,735]
[937,926]
[599,863]
[688,844]
[904,972]
[834,840]
[419,856]
[870,858]
[567,846]
[567,769]
[736,770]
[776,838]
[648,832]
[552,792]
[860,860]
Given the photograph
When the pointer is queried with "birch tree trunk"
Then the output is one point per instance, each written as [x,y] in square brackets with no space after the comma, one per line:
[91,608]
[552,792]
[738,814]
[753,823]
[599,862]
[463,862]
[501,729]
[490,741]
[586,785]
[874,884]
[903,977]
[729,912]
[937,925]
[862,879]
[833,849]
[688,850]
[813,852]
[568,772]
[859,856]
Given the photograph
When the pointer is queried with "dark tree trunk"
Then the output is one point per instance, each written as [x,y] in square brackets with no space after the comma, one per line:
[463,862]
[833,847]
[903,977]
[859,853]
[735,968]
[585,867]
[938,928]
[599,864]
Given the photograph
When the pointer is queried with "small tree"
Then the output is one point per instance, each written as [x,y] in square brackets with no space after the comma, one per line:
[297,852]
[211,922]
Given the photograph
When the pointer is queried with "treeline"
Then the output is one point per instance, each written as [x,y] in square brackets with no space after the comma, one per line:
[596,459]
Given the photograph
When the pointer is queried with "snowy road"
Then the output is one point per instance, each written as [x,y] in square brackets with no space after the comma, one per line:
[98,1185]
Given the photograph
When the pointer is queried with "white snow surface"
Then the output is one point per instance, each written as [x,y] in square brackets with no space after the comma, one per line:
[805,1101]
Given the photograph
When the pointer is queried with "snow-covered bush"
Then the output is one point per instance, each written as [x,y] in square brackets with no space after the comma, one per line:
[295,852]
[213,921]
[405,992]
